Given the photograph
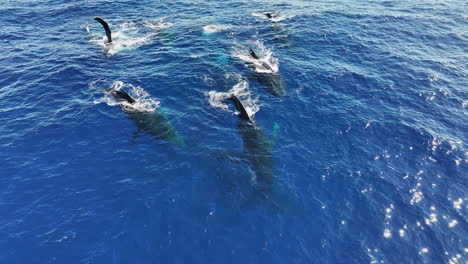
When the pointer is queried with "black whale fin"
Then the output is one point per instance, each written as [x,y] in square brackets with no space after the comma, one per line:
[269,15]
[106,28]
[253,54]
[240,107]
[121,95]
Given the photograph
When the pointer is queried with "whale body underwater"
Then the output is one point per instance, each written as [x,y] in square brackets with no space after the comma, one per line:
[272,80]
[153,123]
[257,148]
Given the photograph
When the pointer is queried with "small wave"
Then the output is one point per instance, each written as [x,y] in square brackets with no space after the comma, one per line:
[211,29]
[241,90]
[266,62]
[86,27]
[197,56]
[161,24]
[144,102]
[276,16]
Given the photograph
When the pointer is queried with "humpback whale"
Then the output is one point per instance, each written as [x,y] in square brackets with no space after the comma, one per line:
[153,123]
[257,148]
[267,66]
[121,96]
[271,15]
[106,28]
[271,79]
[253,54]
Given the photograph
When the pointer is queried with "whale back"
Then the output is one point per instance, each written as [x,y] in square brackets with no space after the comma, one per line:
[253,54]
[240,107]
[121,95]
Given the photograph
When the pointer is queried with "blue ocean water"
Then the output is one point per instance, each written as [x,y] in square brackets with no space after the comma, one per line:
[368,142]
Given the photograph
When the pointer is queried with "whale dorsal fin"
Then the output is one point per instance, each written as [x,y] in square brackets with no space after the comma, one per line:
[240,107]
[253,54]
[126,97]
[106,28]
[121,95]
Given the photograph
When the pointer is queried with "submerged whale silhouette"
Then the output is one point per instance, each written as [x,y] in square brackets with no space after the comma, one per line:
[153,123]
[106,28]
[257,148]
[273,82]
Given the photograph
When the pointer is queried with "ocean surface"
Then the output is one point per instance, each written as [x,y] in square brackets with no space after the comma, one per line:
[358,152]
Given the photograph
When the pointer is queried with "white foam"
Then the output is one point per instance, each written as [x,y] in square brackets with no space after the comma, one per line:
[161,24]
[265,63]
[86,27]
[242,91]
[211,29]
[144,102]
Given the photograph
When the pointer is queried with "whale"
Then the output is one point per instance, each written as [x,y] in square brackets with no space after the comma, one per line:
[106,28]
[264,64]
[121,96]
[271,15]
[257,149]
[272,80]
[152,123]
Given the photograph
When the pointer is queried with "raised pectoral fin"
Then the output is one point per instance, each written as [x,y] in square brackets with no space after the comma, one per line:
[106,28]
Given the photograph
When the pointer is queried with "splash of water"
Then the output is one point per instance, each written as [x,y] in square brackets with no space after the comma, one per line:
[241,90]
[266,62]
[211,29]
[161,24]
[126,36]
[144,102]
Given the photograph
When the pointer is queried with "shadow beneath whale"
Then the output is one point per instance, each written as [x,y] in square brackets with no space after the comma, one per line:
[262,187]
[266,71]
[156,125]
[257,150]
[272,82]
[153,123]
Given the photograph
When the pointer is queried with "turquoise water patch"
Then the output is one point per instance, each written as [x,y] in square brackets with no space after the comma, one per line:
[223,58]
